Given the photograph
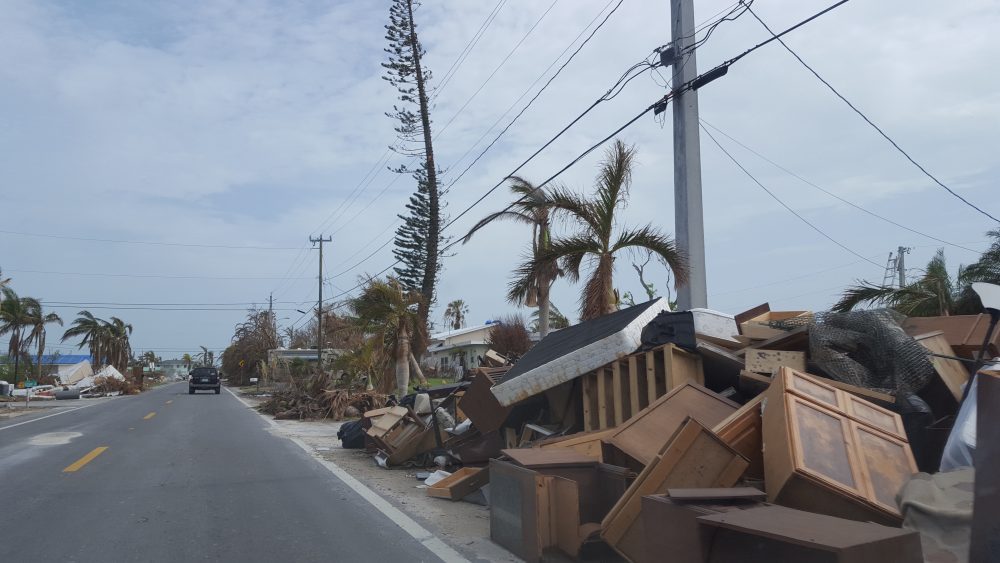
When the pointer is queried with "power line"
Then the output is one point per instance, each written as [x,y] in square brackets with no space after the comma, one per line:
[783,204]
[610,93]
[535,97]
[497,69]
[146,242]
[185,309]
[453,69]
[658,106]
[833,195]
[869,121]
[155,276]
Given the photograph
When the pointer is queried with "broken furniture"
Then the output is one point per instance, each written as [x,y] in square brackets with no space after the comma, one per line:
[674,515]
[616,392]
[777,533]
[744,432]
[693,457]
[964,333]
[643,436]
[761,327]
[833,453]
[943,393]
[768,361]
[460,484]
[399,434]
[553,502]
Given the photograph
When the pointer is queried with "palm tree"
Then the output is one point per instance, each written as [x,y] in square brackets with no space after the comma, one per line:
[557,320]
[118,343]
[15,316]
[454,314]
[4,282]
[531,207]
[596,239]
[187,361]
[389,313]
[92,332]
[935,293]
[204,355]
[37,335]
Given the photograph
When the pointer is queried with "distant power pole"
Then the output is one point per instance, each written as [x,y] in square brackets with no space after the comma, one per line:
[319,303]
[901,266]
[270,315]
[689,224]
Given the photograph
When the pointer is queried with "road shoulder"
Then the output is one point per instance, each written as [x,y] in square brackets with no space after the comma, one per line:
[462,526]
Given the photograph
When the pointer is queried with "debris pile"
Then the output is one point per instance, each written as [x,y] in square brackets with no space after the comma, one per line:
[317,397]
[763,436]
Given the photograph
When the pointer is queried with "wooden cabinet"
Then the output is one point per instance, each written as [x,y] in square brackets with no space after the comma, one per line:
[829,452]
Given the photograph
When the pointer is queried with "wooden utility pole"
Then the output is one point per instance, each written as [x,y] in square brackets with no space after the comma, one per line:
[319,303]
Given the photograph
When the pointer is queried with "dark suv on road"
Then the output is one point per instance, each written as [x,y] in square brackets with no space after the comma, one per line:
[204,378]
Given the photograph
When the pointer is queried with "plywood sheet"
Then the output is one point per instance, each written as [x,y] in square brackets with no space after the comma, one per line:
[768,361]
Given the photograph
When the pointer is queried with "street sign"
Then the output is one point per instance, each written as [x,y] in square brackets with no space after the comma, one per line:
[30,383]
[253,380]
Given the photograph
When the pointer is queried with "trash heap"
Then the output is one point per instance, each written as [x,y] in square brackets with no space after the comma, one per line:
[697,436]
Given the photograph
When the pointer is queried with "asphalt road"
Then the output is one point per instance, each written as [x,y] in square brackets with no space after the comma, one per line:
[183,478]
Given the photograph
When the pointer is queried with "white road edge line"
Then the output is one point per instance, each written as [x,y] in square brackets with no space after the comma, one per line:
[416,531]
[51,415]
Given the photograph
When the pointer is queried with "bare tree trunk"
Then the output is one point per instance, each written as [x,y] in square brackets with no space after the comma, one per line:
[402,361]
[434,226]
[415,366]
[41,348]
[543,307]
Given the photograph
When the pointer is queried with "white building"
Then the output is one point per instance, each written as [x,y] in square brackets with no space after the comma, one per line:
[454,351]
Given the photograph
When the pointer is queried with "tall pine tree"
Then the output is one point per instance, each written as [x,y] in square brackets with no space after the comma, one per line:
[418,240]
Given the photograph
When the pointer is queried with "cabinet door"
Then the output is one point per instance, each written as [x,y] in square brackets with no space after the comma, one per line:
[875,416]
[823,446]
[814,390]
[886,464]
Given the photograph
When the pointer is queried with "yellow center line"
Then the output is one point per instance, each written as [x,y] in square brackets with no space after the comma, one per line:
[85,460]
[149,416]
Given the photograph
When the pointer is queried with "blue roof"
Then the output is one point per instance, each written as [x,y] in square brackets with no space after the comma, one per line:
[64,359]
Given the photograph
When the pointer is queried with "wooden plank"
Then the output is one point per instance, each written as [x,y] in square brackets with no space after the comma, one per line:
[633,385]
[602,399]
[540,458]
[951,372]
[796,339]
[768,361]
[616,390]
[651,377]
[680,367]
[565,504]
[587,391]
[757,311]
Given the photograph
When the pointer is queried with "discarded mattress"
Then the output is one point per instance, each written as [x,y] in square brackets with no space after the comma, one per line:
[571,352]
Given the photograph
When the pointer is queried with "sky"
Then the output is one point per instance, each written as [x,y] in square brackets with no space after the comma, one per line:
[167,162]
